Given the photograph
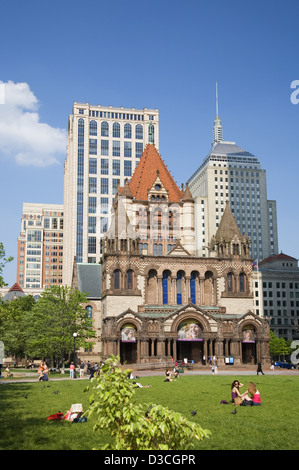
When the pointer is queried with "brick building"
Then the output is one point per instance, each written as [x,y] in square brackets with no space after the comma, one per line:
[161,301]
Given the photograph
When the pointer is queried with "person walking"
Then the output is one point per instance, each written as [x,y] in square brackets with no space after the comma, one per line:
[82,368]
[259,369]
[72,370]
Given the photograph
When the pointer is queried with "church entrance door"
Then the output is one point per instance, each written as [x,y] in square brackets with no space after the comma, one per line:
[128,353]
[191,350]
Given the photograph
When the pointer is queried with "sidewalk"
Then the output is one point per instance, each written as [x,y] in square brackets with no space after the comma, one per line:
[225,371]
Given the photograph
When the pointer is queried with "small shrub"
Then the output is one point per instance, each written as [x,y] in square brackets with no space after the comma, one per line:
[136,426]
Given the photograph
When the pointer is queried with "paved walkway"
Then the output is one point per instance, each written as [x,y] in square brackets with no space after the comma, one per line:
[235,371]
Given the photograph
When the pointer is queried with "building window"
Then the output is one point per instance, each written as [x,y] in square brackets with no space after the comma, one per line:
[93,143]
[138,149]
[105,129]
[116,148]
[92,185]
[105,147]
[34,236]
[165,287]
[151,133]
[193,287]
[127,149]
[230,282]
[88,310]
[179,288]
[116,279]
[130,279]
[115,183]
[104,166]
[92,224]
[104,224]
[93,166]
[104,185]
[127,168]
[104,205]
[116,130]
[116,167]
[139,132]
[92,245]
[93,128]
[92,205]
[242,282]
[128,131]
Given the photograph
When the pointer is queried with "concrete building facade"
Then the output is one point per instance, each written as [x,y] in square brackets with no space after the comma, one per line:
[40,246]
[104,147]
[280,283]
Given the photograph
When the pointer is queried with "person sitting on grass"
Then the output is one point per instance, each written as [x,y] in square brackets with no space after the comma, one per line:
[254,395]
[7,372]
[168,376]
[237,397]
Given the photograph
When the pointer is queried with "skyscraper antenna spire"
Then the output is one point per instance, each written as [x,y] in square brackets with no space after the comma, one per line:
[216,99]
[217,122]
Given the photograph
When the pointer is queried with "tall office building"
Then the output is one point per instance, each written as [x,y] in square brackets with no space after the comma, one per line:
[104,147]
[280,294]
[229,173]
[40,246]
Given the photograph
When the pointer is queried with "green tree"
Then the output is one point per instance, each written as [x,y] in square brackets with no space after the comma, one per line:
[137,427]
[278,346]
[3,261]
[56,316]
[12,324]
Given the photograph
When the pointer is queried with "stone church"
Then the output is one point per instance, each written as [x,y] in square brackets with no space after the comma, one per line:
[159,301]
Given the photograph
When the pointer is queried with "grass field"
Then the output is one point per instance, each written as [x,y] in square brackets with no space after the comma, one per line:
[273,426]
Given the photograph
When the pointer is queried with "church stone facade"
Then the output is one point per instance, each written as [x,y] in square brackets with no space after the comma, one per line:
[159,301]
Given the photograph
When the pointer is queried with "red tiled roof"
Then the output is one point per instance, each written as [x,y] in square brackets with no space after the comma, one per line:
[281,256]
[146,174]
[16,287]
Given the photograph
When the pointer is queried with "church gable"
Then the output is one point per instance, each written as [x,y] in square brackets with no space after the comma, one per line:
[178,250]
[158,192]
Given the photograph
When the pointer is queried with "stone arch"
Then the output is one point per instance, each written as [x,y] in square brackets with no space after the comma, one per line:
[128,330]
[152,287]
[246,324]
[126,321]
[209,287]
[248,332]
[190,315]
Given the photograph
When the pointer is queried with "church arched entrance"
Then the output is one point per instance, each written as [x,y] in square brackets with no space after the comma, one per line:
[190,341]
[128,353]
[128,344]
[193,351]
[248,345]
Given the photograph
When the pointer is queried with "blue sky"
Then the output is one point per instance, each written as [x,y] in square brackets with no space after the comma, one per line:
[156,54]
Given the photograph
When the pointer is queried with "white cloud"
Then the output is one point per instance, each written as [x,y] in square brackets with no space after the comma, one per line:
[22,135]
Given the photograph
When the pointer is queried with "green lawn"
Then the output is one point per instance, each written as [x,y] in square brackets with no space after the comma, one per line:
[274,425]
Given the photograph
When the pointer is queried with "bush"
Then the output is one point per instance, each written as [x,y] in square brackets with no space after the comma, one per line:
[136,426]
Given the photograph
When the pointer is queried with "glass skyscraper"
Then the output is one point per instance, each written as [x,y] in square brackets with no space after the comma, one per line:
[229,173]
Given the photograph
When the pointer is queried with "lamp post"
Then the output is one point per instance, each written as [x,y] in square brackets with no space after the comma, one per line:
[75,336]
